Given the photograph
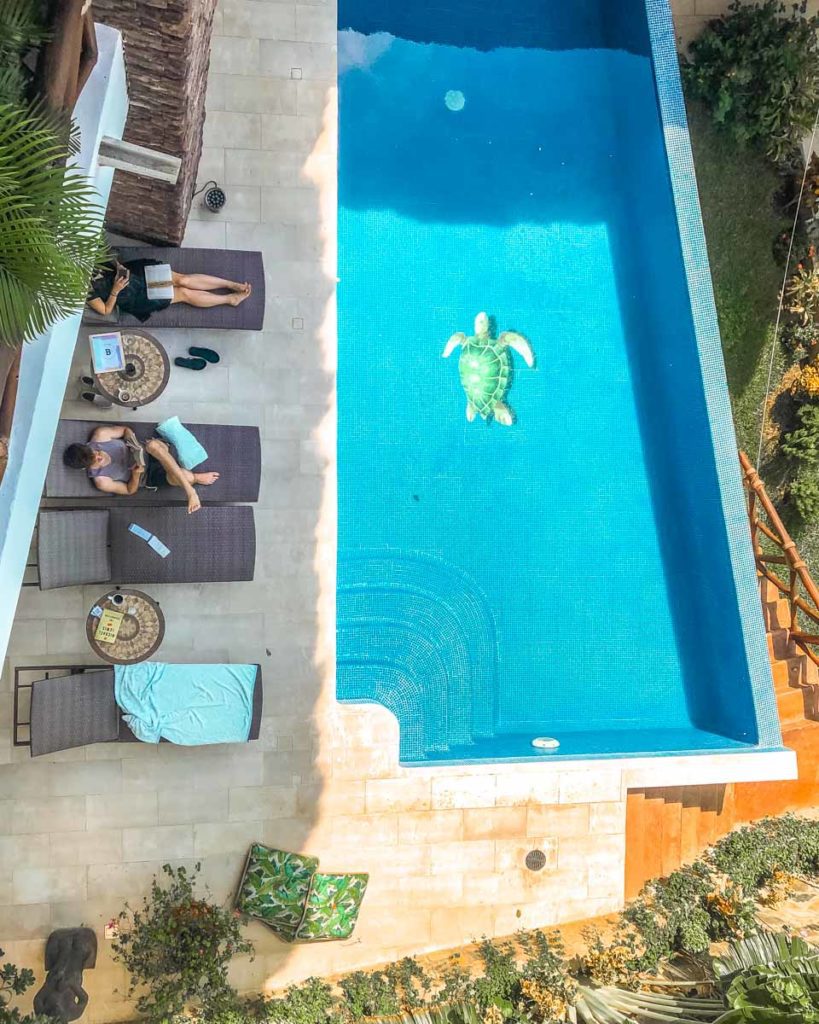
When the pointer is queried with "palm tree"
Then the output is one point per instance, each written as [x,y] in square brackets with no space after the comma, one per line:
[50,235]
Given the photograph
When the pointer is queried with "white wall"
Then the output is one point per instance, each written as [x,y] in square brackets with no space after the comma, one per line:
[100,110]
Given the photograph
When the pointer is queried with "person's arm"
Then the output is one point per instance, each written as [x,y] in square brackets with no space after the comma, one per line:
[104,308]
[105,483]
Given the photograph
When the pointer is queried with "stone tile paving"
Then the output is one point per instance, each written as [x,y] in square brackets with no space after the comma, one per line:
[82,831]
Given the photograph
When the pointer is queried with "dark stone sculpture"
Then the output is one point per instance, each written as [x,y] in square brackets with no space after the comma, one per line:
[68,952]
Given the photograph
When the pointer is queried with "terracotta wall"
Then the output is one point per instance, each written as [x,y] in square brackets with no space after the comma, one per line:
[167,51]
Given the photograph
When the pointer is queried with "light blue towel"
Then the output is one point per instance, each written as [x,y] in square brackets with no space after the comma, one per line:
[186,704]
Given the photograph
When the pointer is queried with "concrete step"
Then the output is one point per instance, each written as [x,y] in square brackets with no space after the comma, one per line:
[791,706]
[777,615]
[780,644]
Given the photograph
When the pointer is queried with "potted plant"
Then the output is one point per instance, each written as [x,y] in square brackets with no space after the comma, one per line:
[177,949]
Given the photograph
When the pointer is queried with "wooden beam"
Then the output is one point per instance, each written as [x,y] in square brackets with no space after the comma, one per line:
[148,163]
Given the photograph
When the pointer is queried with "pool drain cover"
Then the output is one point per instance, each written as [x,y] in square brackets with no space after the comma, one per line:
[536,860]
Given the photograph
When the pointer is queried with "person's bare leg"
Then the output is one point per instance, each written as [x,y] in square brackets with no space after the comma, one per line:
[207,299]
[207,283]
[174,473]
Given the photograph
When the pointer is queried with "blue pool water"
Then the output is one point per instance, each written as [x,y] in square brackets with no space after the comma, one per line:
[568,575]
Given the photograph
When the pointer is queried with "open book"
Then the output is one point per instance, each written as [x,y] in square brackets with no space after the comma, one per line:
[159,281]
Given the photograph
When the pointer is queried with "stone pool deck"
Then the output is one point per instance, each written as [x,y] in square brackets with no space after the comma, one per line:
[83,831]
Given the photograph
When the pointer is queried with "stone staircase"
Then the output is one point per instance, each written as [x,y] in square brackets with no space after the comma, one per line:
[684,820]
[795,676]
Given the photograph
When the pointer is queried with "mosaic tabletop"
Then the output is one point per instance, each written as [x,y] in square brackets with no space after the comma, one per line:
[146,373]
[140,632]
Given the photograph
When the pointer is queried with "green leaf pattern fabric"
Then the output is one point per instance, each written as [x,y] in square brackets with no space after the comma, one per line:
[286,892]
[275,888]
[332,907]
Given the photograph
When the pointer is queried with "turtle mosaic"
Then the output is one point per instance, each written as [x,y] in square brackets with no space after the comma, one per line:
[485,368]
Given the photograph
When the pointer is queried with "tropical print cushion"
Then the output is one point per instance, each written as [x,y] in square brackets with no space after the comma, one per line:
[275,888]
[332,907]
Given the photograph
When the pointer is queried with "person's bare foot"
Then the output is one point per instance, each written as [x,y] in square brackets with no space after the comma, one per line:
[206,478]
[194,504]
[239,297]
[239,286]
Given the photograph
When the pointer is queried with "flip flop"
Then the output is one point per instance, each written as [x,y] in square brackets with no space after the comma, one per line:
[190,364]
[205,353]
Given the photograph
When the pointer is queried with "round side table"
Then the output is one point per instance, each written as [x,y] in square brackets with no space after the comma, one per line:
[140,632]
[146,374]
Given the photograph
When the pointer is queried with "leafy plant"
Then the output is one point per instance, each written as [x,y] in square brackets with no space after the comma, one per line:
[757,70]
[802,294]
[802,444]
[20,29]
[369,994]
[50,238]
[804,492]
[178,947]
[750,856]
[15,982]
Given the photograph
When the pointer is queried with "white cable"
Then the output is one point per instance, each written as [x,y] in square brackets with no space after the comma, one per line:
[782,291]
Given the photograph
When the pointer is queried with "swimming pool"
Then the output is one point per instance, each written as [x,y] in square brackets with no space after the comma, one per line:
[581,573]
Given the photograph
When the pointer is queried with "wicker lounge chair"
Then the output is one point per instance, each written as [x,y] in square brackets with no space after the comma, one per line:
[214,545]
[234,452]
[233,264]
[57,707]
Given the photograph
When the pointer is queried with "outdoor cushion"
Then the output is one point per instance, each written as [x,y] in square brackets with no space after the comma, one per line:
[72,711]
[233,451]
[332,907]
[72,548]
[274,888]
[189,452]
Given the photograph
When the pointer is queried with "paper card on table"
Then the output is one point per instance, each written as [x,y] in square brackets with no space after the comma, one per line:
[159,547]
[107,353]
[96,611]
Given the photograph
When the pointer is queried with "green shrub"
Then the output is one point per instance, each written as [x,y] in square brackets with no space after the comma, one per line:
[757,70]
[802,444]
[804,492]
[14,982]
[753,854]
[178,948]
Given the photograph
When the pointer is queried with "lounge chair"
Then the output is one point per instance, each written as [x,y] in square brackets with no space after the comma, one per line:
[214,545]
[232,264]
[233,452]
[57,707]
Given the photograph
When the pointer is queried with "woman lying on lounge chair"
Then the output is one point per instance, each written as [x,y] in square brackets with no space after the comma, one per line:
[123,286]
[113,462]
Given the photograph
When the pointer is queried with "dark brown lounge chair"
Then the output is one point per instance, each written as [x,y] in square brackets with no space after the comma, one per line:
[232,264]
[57,707]
[78,546]
[233,452]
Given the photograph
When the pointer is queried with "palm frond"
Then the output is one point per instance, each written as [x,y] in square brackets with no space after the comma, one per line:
[761,948]
[50,227]
[611,1005]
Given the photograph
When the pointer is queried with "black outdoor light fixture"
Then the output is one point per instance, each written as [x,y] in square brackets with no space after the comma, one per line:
[214,198]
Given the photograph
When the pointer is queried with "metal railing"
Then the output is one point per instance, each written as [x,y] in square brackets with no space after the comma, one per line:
[779,562]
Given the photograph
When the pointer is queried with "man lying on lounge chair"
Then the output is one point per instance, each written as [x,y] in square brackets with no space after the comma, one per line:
[116,463]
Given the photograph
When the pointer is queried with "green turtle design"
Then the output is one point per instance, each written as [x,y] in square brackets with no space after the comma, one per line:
[485,367]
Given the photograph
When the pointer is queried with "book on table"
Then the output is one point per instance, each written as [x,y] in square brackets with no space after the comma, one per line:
[108,627]
[159,281]
[107,353]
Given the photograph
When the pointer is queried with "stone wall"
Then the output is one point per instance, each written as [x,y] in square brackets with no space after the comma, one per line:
[167,52]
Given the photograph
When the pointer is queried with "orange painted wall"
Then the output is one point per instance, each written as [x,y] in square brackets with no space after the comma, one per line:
[666,828]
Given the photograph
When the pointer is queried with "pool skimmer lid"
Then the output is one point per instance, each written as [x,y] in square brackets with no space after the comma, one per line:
[545,743]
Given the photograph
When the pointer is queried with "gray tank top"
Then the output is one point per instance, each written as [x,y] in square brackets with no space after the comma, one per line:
[119,467]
